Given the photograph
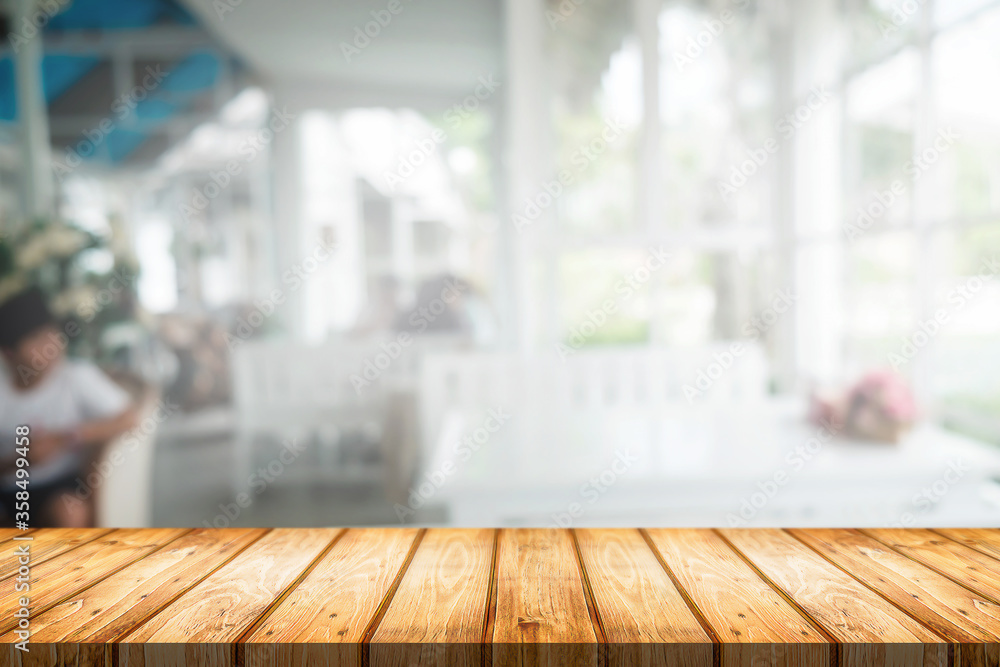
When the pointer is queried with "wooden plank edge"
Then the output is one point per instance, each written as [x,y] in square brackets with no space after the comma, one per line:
[688,600]
[4,629]
[992,597]
[941,533]
[490,613]
[103,532]
[373,624]
[835,644]
[115,644]
[919,621]
[588,593]
[238,646]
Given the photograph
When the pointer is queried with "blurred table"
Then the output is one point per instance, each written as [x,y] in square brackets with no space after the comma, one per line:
[758,465]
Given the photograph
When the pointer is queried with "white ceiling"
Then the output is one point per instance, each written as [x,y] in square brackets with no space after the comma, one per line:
[429,46]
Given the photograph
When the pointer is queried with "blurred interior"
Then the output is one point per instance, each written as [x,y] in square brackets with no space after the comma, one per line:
[522,262]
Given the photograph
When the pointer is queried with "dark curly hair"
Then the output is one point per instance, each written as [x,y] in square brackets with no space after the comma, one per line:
[22,315]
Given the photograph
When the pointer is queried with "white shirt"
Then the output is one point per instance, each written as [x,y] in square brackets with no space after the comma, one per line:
[74,392]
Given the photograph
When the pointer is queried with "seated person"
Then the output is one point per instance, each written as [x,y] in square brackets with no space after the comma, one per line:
[71,408]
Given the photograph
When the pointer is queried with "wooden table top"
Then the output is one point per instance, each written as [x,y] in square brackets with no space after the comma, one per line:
[411,596]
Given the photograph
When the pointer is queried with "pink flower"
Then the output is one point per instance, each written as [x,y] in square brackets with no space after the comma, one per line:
[887,392]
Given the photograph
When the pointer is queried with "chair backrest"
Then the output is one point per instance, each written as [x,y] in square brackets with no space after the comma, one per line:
[316,384]
[633,378]
[122,479]
[303,382]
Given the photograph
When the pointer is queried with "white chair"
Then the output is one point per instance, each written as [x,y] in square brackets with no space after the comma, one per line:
[292,390]
[540,384]
[124,473]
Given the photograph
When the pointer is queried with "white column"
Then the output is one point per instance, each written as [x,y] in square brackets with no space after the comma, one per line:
[817,190]
[37,190]
[290,248]
[784,335]
[646,21]
[929,273]
[650,157]
[527,163]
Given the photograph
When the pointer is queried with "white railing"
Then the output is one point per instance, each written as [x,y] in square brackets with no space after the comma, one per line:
[284,388]
[630,378]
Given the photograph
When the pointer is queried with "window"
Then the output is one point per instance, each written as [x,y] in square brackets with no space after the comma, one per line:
[904,165]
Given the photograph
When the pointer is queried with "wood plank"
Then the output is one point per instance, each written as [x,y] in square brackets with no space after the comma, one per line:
[952,611]
[67,574]
[984,540]
[540,597]
[60,655]
[865,623]
[49,543]
[541,609]
[202,626]
[324,619]
[967,566]
[114,607]
[438,614]
[8,534]
[753,622]
[645,618]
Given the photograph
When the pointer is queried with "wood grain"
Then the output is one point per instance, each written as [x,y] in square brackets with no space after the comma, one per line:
[114,607]
[541,610]
[202,626]
[645,618]
[753,622]
[956,561]
[437,615]
[68,655]
[984,540]
[47,544]
[872,630]
[401,597]
[67,574]
[952,611]
[324,619]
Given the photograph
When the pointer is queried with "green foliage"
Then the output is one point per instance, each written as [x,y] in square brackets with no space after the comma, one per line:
[87,284]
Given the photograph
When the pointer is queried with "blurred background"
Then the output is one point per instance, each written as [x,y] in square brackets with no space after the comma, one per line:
[520,262]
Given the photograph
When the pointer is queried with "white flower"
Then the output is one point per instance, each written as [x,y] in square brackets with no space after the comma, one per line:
[64,241]
[74,301]
[32,254]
